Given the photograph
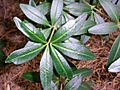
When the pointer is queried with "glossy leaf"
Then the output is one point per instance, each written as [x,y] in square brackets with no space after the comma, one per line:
[110,9]
[84,29]
[78,8]
[114,52]
[25,54]
[74,83]
[83,72]
[34,14]
[46,32]
[86,85]
[64,32]
[30,31]
[32,3]
[84,38]
[46,70]
[115,66]
[75,51]
[56,10]
[60,63]
[104,28]
[98,18]
[32,76]
[44,7]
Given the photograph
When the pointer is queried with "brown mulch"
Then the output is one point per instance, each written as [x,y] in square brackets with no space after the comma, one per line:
[10,75]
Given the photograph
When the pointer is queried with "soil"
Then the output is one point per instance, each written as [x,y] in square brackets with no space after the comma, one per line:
[10,74]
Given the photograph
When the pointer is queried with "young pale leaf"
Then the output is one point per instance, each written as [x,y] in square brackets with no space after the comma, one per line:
[46,70]
[84,38]
[114,52]
[75,51]
[74,83]
[64,32]
[56,10]
[98,18]
[115,66]
[46,32]
[44,7]
[32,3]
[110,9]
[34,14]
[104,28]
[32,76]
[78,8]
[61,65]
[83,72]
[30,31]
[86,85]
[25,54]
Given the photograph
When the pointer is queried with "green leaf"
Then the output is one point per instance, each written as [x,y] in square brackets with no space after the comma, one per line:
[32,3]
[25,54]
[64,32]
[110,9]
[56,10]
[78,8]
[46,32]
[104,28]
[74,83]
[86,85]
[84,29]
[2,55]
[98,18]
[60,63]
[44,7]
[54,86]
[72,40]
[115,66]
[32,76]
[75,51]
[30,31]
[67,2]
[84,38]
[114,52]
[83,72]
[46,70]
[34,14]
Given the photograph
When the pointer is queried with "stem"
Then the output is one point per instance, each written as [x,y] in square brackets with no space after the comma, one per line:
[54,28]
[93,8]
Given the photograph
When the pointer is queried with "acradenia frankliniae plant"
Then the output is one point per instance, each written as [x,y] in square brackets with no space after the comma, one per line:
[55,38]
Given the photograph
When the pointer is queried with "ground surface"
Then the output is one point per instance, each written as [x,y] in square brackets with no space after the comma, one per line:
[10,75]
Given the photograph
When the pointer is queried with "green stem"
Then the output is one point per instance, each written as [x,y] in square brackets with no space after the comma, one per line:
[53,31]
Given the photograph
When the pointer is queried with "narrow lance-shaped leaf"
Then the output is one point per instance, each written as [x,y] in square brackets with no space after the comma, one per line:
[110,9]
[25,54]
[104,28]
[44,7]
[61,65]
[86,85]
[32,76]
[64,32]
[75,51]
[46,32]
[83,72]
[98,18]
[78,8]
[56,10]
[114,52]
[115,66]
[34,14]
[69,29]
[46,70]
[29,30]
[74,83]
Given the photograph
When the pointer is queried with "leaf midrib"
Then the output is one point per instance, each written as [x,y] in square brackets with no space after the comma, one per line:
[72,51]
